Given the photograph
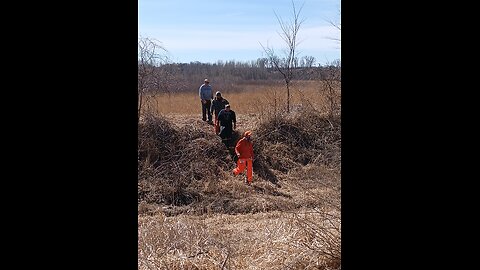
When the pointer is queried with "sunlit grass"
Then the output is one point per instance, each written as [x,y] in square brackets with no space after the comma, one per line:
[257,99]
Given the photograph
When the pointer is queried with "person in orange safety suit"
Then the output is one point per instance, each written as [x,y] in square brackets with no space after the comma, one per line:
[244,151]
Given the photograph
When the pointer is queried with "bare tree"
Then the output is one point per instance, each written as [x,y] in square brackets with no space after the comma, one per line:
[332,86]
[337,24]
[332,79]
[289,32]
[307,61]
[150,55]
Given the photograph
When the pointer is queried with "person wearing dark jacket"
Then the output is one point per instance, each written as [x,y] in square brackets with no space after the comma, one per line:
[217,105]
[228,122]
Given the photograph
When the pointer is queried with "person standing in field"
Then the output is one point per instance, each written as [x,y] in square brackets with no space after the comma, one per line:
[205,93]
[228,122]
[244,152]
[218,104]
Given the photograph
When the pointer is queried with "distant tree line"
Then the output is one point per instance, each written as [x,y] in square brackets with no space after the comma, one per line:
[187,77]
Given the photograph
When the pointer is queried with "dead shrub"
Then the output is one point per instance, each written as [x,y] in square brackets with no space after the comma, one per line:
[320,233]
[290,141]
[194,167]
[156,140]
[171,159]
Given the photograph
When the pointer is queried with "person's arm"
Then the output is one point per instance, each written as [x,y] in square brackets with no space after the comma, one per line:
[200,92]
[220,116]
[237,147]
[234,119]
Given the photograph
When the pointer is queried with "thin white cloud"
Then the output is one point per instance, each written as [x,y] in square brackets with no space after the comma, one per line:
[193,30]
[320,37]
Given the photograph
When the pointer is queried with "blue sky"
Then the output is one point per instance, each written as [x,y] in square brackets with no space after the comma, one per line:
[212,30]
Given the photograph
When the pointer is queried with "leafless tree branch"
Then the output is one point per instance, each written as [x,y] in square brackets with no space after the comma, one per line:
[289,34]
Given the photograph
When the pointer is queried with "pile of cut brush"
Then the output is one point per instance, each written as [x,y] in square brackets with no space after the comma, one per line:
[174,162]
[170,159]
[295,140]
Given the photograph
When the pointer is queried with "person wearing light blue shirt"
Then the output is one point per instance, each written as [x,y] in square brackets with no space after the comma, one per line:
[205,93]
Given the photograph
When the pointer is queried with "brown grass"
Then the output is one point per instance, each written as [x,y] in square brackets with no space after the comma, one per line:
[273,240]
[194,214]
[254,99]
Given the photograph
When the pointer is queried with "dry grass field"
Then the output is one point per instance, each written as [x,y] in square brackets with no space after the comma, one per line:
[256,99]
[193,213]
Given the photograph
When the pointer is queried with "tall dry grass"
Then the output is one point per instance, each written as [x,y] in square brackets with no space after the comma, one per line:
[258,99]
[194,214]
[274,240]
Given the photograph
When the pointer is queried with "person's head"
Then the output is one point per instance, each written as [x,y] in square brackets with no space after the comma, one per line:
[206,81]
[218,95]
[227,107]
[247,135]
